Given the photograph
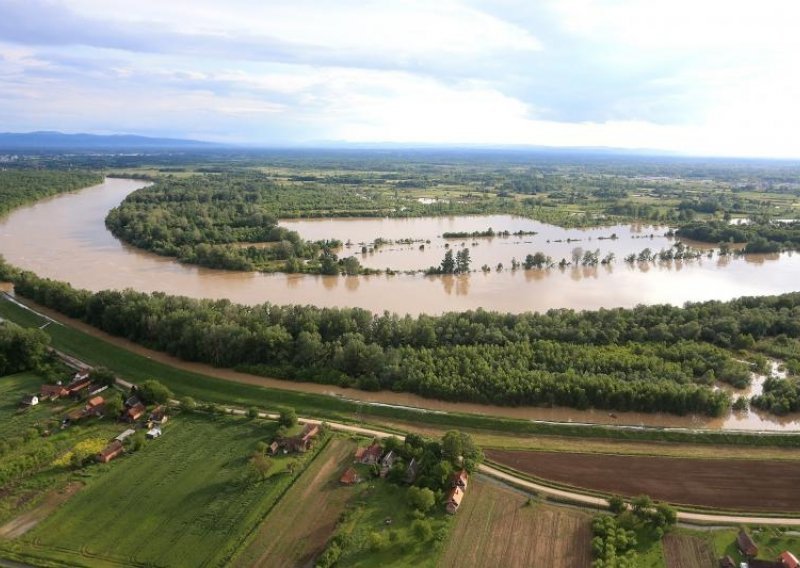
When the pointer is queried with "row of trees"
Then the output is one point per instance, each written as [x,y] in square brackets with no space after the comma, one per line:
[649,358]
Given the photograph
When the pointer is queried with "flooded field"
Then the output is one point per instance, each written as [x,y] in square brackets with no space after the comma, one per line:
[418,243]
[64,237]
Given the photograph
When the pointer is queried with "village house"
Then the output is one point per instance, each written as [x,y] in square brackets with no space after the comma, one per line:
[81,375]
[95,406]
[132,401]
[52,392]
[29,400]
[454,500]
[77,389]
[111,451]
[789,560]
[159,415]
[134,413]
[746,545]
[411,471]
[387,462]
[153,433]
[350,477]
[296,444]
[459,479]
[727,562]
[369,455]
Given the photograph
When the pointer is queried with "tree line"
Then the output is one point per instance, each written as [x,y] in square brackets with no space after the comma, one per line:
[649,358]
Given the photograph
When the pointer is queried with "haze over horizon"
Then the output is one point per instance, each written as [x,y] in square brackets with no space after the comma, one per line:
[710,78]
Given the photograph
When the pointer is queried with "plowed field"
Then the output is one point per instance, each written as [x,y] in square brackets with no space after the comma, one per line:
[747,485]
[495,527]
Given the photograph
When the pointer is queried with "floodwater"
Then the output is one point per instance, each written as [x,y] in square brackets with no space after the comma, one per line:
[64,237]
[427,247]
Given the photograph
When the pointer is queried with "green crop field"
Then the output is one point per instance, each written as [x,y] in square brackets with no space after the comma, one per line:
[185,499]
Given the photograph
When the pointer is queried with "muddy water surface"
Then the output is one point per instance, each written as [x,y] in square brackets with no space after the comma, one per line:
[64,237]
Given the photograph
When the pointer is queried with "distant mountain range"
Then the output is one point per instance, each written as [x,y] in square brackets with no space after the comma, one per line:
[45,140]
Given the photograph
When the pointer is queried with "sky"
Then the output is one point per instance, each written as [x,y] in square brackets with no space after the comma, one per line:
[704,77]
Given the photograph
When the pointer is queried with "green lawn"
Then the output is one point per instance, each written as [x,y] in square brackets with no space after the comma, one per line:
[13,420]
[183,500]
[771,542]
[377,501]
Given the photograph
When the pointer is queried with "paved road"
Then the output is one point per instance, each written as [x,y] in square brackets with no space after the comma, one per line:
[559,494]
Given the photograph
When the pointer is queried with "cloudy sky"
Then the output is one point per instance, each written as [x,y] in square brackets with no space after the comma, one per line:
[693,76]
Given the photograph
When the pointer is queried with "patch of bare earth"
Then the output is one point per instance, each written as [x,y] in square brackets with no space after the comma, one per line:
[719,483]
[496,527]
[25,522]
[684,551]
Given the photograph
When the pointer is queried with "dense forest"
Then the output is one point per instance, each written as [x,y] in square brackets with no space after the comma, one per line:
[18,187]
[650,358]
[211,220]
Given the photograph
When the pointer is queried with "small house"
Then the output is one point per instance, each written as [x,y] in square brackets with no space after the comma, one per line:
[459,479]
[132,401]
[111,451]
[153,433]
[97,389]
[29,400]
[370,455]
[727,562]
[81,375]
[159,415]
[411,471]
[76,389]
[454,500]
[746,545]
[95,406]
[134,413]
[350,477]
[126,434]
[789,560]
[52,392]
[387,462]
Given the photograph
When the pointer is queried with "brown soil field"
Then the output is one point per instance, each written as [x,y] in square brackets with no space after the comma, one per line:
[495,527]
[746,485]
[298,527]
[684,551]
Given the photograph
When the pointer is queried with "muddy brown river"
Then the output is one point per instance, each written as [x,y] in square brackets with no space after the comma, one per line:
[64,237]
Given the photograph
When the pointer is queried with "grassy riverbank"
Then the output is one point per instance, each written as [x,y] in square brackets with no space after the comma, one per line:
[137,368]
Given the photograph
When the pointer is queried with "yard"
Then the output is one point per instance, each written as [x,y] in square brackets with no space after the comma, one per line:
[185,499]
[497,527]
[296,530]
